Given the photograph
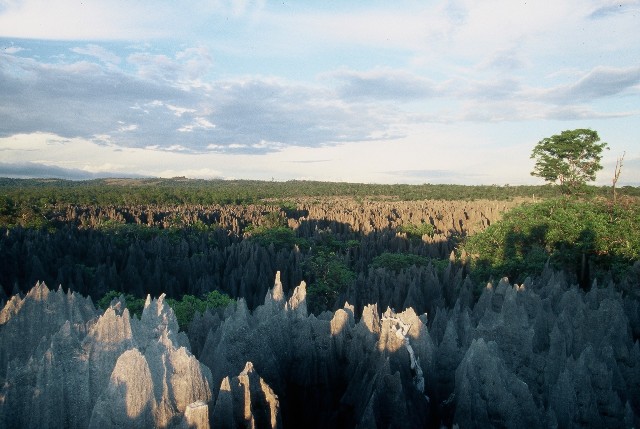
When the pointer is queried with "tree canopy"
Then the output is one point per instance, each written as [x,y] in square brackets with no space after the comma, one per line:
[570,158]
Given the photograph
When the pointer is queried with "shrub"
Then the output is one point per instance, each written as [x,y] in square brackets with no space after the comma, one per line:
[583,237]
[417,231]
[329,276]
[187,307]
[279,236]
[398,261]
[135,305]
[184,309]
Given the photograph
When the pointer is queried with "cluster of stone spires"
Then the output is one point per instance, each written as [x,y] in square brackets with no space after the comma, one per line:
[65,365]
[87,257]
[542,354]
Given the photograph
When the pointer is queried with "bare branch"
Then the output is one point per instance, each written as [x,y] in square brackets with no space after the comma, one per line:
[616,174]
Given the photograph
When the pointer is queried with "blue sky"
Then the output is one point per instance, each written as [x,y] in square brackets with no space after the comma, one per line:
[385,92]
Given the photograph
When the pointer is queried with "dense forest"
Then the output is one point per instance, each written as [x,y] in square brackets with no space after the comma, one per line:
[190,237]
[469,275]
[150,237]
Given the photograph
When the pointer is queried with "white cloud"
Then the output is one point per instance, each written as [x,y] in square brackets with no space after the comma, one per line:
[125,128]
[581,112]
[384,84]
[198,123]
[106,167]
[389,27]
[184,70]
[597,83]
[459,153]
[12,50]
[151,107]
[98,52]
[118,19]
[508,59]
[608,9]
[67,19]
[199,173]
[179,111]
[360,87]
[239,8]
[177,148]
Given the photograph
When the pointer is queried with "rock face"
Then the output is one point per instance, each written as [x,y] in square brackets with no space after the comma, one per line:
[196,416]
[95,371]
[327,371]
[488,394]
[541,354]
[41,313]
[129,398]
[246,401]
[537,355]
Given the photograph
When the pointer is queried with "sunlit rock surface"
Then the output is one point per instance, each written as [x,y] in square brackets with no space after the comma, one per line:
[95,371]
[246,401]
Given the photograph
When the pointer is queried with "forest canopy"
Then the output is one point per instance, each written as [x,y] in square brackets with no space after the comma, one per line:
[190,238]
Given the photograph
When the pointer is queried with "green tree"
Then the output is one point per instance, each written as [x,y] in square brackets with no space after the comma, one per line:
[135,305]
[187,307]
[417,231]
[570,158]
[329,276]
[398,261]
[592,239]
[184,308]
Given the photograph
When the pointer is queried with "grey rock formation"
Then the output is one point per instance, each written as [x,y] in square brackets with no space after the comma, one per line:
[488,394]
[540,354]
[246,401]
[25,322]
[326,371]
[496,364]
[196,416]
[101,371]
[169,380]
[129,400]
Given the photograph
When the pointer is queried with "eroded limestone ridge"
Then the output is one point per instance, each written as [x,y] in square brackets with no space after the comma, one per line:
[95,371]
[327,371]
[540,354]
[246,401]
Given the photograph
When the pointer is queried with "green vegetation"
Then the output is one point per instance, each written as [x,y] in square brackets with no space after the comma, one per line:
[135,305]
[587,238]
[417,231]
[401,261]
[571,159]
[32,202]
[184,308]
[280,236]
[327,269]
[273,230]
[329,276]
[126,233]
[170,236]
[21,194]
[187,307]
[398,261]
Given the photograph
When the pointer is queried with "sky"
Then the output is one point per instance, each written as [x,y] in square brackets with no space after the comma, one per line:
[415,92]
